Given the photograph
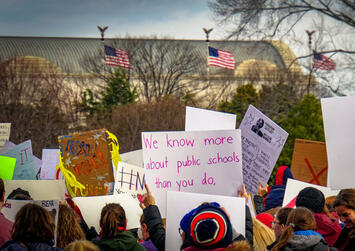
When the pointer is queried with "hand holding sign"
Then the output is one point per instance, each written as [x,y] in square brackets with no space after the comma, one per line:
[148,199]
[243,194]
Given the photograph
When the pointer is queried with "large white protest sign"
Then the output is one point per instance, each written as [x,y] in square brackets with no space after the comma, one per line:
[262,142]
[339,132]
[38,189]
[133,157]
[91,207]
[293,187]
[203,162]
[204,120]
[180,203]
[50,159]
[4,133]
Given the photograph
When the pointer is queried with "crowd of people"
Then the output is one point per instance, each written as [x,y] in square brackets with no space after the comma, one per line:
[316,223]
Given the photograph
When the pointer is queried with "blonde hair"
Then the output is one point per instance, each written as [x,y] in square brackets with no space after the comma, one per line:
[240,246]
[81,245]
[262,235]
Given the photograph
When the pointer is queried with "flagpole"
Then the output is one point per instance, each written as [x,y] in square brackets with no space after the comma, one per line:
[310,33]
[102,31]
[207,32]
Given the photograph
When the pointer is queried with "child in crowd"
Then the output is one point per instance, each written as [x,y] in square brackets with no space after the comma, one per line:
[81,245]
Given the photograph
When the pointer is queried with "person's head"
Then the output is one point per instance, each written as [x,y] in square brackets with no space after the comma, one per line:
[311,198]
[68,228]
[344,205]
[81,245]
[113,220]
[240,246]
[144,228]
[2,190]
[262,235]
[279,224]
[33,224]
[19,194]
[207,226]
[298,219]
[266,219]
[329,201]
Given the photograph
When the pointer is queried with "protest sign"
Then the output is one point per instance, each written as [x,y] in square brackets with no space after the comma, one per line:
[38,189]
[204,162]
[7,167]
[133,157]
[339,132]
[7,146]
[91,207]
[309,162]
[86,163]
[24,169]
[197,119]
[293,187]
[180,203]
[251,205]
[262,142]
[4,133]
[130,179]
[50,159]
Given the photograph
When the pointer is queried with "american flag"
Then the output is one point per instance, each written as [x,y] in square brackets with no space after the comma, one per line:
[220,58]
[116,57]
[322,62]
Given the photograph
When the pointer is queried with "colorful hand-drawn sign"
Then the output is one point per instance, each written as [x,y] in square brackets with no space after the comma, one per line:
[86,163]
[309,162]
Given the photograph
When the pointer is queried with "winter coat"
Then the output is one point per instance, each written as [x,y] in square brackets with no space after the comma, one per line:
[149,245]
[327,228]
[125,241]
[35,246]
[346,240]
[155,226]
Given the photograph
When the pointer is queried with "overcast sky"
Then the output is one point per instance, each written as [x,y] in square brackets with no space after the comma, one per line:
[79,18]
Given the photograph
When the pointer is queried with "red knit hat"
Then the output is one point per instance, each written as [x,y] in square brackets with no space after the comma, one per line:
[265,218]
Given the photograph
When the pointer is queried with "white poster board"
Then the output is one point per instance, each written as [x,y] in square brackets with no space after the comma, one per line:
[50,159]
[293,187]
[262,142]
[91,207]
[133,157]
[180,203]
[339,124]
[38,189]
[4,133]
[202,162]
[197,119]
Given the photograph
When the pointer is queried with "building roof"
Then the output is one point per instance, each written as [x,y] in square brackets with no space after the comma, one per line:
[68,53]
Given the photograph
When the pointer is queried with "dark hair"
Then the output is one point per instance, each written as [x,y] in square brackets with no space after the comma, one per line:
[346,198]
[19,194]
[112,221]
[300,218]
[68,228]
[282,214]
[2,189]
[33,224]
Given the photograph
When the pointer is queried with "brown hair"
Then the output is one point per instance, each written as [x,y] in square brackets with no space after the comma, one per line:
[300,218]
[33,224]
[346,198]
[282,214]
[112,221]
[239,246]
[2,189]
[68,228]
[81,245]
[329,202]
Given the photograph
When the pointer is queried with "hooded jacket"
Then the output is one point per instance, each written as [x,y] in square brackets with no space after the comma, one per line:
[277,192]
[125,241]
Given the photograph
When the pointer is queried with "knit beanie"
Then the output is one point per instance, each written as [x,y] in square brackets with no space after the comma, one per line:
[311,198]
[207,227]
[265,218]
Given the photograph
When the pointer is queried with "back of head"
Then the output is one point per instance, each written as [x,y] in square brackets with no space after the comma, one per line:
[33,224]
[112,221]
[81,245]
[240,246]
[346,198]
[282,215]
[19,194]
[329,201]
[207,227]
[311,198]
[68,228]
[266,219]
[263,235]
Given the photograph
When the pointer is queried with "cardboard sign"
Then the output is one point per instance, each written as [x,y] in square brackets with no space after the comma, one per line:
[7,167]
[50,159]
[339,132]
[309,162]
[87,163]
[38,189]
[91,207]
[24,169]
[293,187]
[4,133]
[262,142]
[180,203]
[204,120]
[204,162]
